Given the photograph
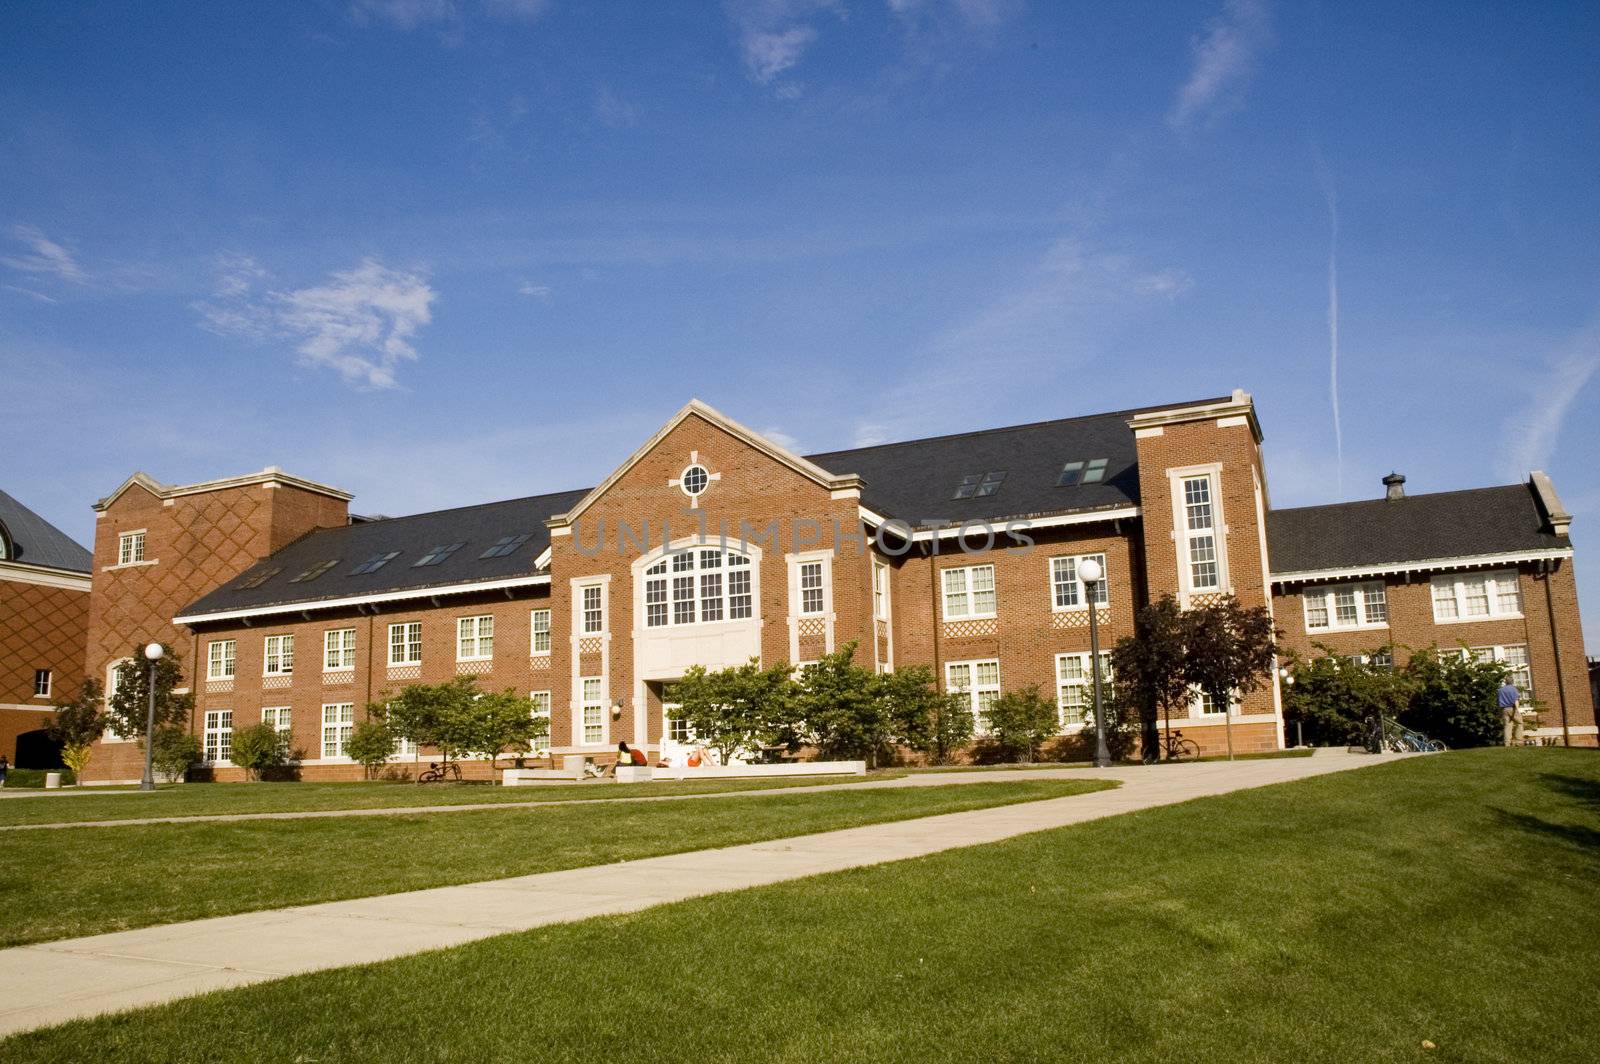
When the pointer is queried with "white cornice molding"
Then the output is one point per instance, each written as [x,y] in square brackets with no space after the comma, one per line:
[1476,561]
[1238,405]
[1024,524]
[270,477]
[752,438]
[278,609]
[44,576]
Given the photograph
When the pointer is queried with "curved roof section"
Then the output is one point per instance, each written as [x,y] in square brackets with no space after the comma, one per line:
[34,541]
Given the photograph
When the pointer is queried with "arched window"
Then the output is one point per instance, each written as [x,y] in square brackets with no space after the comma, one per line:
[697,585]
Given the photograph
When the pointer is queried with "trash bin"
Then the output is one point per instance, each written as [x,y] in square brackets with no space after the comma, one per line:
[52,781]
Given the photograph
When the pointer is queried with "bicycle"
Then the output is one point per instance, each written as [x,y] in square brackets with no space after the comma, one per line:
[439,773]
[1176,748]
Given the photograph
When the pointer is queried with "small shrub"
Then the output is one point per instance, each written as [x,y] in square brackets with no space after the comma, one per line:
[174,751]
[259,749]
[372,743]
[1019,723]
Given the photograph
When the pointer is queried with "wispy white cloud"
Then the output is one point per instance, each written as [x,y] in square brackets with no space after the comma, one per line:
[535,291]
[782,438]
[361,322]
[525,10]
[773,35]
[1171,283]
[30,293]
[1224,60]
[613,110]
[976,14]
[44,258]
[1552,391]
[1330,194]
[402,14]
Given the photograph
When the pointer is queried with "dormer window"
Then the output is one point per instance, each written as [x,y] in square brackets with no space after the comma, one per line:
[979,485]
[1091,471]
[437,554]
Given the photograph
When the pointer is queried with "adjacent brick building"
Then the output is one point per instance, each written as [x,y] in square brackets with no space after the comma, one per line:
[711,545]
[44,615]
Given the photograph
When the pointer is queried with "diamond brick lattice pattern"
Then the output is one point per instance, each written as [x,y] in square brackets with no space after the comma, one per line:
[41,628]
[966,629]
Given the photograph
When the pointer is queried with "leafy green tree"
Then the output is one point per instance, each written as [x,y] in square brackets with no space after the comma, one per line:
[1331,697]
[173,751]
[1228,651]
[498,720]
[1019,723]
[739,708]
[128,708]
[923,717]
[1453,699]
[78,724]
[437,715]
[1148,669]
[258,748]
[372,742]
[842,708]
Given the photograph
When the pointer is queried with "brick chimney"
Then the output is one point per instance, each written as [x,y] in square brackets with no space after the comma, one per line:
[1394,486]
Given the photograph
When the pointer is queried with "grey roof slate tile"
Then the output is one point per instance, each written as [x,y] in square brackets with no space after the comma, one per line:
[35,541]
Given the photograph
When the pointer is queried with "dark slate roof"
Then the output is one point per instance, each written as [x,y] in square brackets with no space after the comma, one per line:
[35,541]
[915,481]
[477,527]
[1448,524]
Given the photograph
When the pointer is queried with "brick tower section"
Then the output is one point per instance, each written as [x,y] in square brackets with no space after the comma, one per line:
[196,538]
[43,625]
[1222,442]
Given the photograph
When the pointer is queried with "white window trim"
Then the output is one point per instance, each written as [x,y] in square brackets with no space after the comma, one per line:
[640,570]
[109,735]
[266,655]
[282,718]
[975,690]
[1180,529]
[216,662]
[1327,593]
[49,682]
[534,748]
[1077,561]
[1497,652]
[549,632]
[1456,580]
[405,643]
[604,703]
[144,542]
[578,626]
[327,635]
[1071,726]
[207,731]
[322,733]
[478,637]
[795,562]
[972,614]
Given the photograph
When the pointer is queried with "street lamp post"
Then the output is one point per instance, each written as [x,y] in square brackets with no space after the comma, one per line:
[152,654]
[1090,572]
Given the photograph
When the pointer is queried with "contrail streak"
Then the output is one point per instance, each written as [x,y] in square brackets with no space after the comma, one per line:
[1331,195]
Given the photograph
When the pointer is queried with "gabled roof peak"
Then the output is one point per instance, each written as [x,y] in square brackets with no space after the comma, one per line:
[269,475]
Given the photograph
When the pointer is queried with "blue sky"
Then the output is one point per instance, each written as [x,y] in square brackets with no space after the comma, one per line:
[445,251]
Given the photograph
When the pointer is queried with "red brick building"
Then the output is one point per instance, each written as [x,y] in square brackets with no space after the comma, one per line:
[44,615]
[711,544]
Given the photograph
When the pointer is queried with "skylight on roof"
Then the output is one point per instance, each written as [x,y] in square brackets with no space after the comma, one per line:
[979,485]
[505,545]
[374,563]
[315,571]
[437,554]
[257,579]
[1091,472]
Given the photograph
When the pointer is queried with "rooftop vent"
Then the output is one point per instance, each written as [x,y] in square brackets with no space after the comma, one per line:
[1394,486]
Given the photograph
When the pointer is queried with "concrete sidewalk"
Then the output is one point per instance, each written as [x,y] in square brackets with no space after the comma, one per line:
[53,982]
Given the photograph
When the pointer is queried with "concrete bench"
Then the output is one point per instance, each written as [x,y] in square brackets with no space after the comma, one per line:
[533,777]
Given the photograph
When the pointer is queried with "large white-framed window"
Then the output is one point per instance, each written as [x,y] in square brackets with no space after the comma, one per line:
[338,649]
[1514,657]
[277,655]
[42,682]
[968,592]
[1075,687]
[1067,589]
[978,682]
[113,681]
[593,710]
[812,595]
[540,746]
[338,721]
[130,547]
[220,659]
[405,643]
[594,609]
[1198,529]
[278,718]
[539,633]
[697,585]
[218,736]
[475,638]
[880,591]
[1476,596]
[1337,606]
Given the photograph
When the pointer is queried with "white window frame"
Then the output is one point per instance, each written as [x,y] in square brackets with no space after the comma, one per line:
[217,742]
[592,698]
[535,631]
[967,593]
[48,676]
[696,581]
[592,609]
[277,655]
[111,735]
[880,591]
[130,546]
[338,652]
[1500,653]
[410,648]
[475,634]
[1328,595]
[222,658]
[1081,680]
[280,717]
[976,693]
[542,703]
[339,727]
[811,586]
[1075,584]
[1492,587]
[1183,536]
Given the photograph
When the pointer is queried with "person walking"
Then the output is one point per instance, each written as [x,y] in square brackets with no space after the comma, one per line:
[5,766]
[1508,698]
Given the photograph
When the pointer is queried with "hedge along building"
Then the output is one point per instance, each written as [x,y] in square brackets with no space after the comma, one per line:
[711,545]
[44,612]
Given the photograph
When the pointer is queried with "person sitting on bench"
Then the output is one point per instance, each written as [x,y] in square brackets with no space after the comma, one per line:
[627,755]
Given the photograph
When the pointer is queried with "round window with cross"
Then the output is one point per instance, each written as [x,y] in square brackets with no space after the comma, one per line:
[694,480]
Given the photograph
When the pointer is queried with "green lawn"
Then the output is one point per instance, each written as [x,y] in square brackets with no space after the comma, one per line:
[1345,918]
[201,799]
[65,882]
